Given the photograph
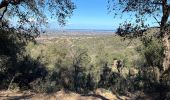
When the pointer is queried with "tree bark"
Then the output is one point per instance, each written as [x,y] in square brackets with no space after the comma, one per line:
[166,60]
[165,40]
[164,35]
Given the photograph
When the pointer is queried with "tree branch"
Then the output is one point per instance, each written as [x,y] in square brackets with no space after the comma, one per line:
[157,20]
[157,3]
[15,2]
[3,13]
[4,3]
[165,14]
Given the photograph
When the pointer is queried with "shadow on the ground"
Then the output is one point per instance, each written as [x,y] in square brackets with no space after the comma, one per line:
[16,97]
[96,96]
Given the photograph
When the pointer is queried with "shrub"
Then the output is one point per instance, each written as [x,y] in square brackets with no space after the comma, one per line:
[152,51]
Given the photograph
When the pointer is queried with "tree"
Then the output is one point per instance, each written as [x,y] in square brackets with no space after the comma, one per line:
[33,14]
[142,9]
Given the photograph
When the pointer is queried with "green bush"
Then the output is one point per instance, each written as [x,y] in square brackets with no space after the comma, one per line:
[152,51]
[16,66]
[44,85]
[79,65]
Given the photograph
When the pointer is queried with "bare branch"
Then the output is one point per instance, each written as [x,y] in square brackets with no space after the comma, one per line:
[157,20]
[15,2]
[157,3]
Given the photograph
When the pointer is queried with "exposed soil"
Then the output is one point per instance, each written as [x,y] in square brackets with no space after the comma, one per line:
[60,95]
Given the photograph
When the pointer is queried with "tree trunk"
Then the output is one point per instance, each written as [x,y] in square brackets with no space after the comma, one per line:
[165,39]
[166,60]
[164,34]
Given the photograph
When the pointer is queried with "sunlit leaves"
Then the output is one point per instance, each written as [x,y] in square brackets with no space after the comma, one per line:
[141,11]
[32,15]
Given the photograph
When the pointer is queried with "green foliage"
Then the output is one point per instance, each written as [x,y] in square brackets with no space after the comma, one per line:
[17,67]
[152,51]
[79,64]
[32,15]
[11,46]
[44,85]
[65,64]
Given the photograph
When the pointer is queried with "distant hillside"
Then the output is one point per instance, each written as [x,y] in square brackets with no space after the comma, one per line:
[79,32]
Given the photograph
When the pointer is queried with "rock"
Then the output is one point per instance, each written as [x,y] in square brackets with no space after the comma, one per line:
[133,71]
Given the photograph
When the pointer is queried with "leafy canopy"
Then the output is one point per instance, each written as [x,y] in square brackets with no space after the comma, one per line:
[33,14]
[140,10]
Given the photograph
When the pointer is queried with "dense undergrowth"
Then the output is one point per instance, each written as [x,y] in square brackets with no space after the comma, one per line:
[79,64]
[84,64]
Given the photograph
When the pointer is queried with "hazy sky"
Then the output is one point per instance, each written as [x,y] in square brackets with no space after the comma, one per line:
[91,14]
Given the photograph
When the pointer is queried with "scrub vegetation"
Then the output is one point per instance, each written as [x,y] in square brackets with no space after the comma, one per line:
[82,64]
[134,62]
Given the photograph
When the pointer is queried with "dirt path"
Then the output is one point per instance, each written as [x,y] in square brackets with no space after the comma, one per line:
[61,95]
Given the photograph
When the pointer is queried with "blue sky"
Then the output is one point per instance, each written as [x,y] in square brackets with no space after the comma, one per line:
[91,14]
